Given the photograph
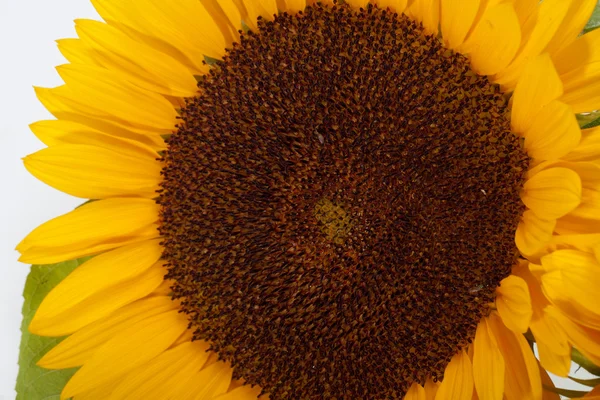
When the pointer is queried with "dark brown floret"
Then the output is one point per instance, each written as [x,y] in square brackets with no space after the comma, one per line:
[339,204]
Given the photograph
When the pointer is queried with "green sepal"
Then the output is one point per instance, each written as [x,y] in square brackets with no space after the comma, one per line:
[572,394]
[582,361]
[588,120]
[33,382]
[594,21]
[586,382]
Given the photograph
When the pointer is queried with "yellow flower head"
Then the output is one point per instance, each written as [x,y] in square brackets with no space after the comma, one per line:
[299,200]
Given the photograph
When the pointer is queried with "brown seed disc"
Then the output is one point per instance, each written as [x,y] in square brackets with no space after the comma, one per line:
[339,204]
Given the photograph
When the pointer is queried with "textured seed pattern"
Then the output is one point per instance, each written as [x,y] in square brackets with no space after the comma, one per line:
[339,204]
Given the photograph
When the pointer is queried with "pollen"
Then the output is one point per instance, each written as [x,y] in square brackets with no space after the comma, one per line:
[339,204]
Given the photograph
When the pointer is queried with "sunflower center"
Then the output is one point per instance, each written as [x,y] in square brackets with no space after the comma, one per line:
[339,204]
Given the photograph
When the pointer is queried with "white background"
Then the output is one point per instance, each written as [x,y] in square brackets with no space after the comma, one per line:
[28,54]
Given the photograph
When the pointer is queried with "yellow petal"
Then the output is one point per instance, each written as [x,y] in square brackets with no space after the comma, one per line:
[212,381]
[538,30]
[514,303]
[358,3]
[525,8]
[583,51]
[533,233]
[107,93]
[76,51]
[98,393]
[416,392]
[241,393]
[160,378]
[537,87]
[546,381]
[266,9]
[588,148]
[458,379]
[552,193]
[558,364]
[561,299]
[185,24]
[142,65]
[457,17]
[488,364]
[586,340]
[578,15]
[133,347]
[584,98]
[522,377]
[227,17]
[431,389]
[90,229]
[78,348]
[554,132]
[395,5]
[547,331]
[571,225]
[427,12]
[54,132]
[98,287]
[94,172]
[498,25]
[580,276]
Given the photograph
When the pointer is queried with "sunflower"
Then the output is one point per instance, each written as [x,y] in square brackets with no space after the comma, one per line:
[297,200]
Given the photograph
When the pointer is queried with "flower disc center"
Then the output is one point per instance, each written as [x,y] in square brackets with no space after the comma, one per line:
[339,204]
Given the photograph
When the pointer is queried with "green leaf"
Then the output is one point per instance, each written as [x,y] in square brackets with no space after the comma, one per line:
[33,382]
[586,364]
[594,21]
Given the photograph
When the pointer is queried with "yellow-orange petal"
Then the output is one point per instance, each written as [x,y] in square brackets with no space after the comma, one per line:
[488,364]
[458,379]
[266,9]
[431,389]
[584,50]
[241,393]
[522,377]
[586,340]
[227,16]
[498,25]
[533,233]
[537,87]
[108,93]
[514,303]
[558,364]
[554,132]
[92,172]
[99,287]
[160,377]
[415,392]
[90,229]
[54,132]
[552,193]
[538,30]
[427,12]
[78,348]
[579,274]
[456,20]
[76,51]
[395,5]
[578,15]
[185,24]
[133,347]
[588,148]
[140,63]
